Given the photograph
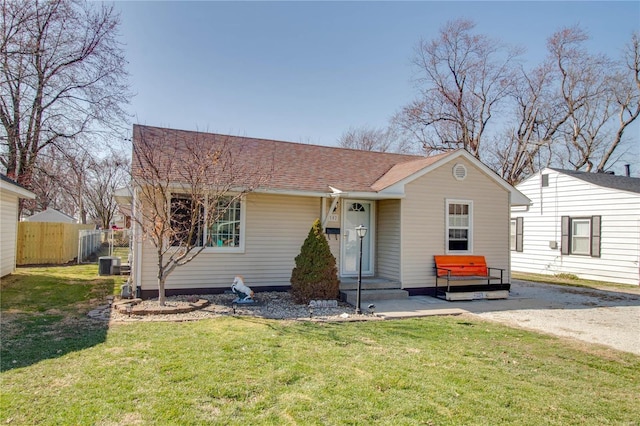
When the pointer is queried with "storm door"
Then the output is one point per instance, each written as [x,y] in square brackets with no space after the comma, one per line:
[355,213]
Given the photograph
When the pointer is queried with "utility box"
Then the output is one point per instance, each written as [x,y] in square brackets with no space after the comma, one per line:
[106,265]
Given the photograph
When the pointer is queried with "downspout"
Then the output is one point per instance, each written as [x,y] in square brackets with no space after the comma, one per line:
[137,253]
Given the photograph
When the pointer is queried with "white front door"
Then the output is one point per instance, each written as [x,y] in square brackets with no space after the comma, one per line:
[356,213]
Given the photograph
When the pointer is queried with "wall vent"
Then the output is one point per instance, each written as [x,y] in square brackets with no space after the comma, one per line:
[459,171]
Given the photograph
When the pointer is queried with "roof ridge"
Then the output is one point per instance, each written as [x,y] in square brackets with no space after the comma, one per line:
[414,156]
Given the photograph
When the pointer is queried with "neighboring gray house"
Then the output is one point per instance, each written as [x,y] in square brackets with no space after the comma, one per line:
[415,207]
[585,224]
[10,195]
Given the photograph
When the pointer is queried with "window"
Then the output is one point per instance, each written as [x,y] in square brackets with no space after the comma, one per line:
[226,230]
[459,226]
[580,232]
[516,232]
[545,180]
[581,236]
[185,226]
[357,207]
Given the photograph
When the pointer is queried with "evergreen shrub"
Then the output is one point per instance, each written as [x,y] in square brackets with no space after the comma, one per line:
[315,276]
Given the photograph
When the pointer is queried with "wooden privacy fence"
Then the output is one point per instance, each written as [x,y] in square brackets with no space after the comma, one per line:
[47,243]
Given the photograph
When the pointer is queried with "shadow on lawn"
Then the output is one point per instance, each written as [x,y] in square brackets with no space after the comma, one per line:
[44,313]
[29,339]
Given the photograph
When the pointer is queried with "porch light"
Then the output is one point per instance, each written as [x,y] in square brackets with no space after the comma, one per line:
[361,231]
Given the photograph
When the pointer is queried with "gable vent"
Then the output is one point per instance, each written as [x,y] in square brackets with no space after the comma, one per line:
[459,171]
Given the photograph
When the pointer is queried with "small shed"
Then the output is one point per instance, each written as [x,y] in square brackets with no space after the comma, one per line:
[10,195]
[50,215]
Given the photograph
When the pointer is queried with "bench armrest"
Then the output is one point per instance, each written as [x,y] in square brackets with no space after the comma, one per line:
[501,273]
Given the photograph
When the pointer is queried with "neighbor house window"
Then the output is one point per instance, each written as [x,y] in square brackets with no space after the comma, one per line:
[515,235]
[459,214]
[226,231]
[581,235]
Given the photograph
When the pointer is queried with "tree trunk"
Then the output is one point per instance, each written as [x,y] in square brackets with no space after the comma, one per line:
[161,296]
[161,278]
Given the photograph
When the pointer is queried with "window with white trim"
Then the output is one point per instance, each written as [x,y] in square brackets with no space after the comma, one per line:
[581,235]
[188,227]
[516,234]
[459,215]
[226,231]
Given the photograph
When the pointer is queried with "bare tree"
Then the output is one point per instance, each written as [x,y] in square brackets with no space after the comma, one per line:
[375,139]
[537,118]
[584,94]
[63,74]
[626,94]
[49,173]
[564,110]
[183,186]
[462,79]
[105,176]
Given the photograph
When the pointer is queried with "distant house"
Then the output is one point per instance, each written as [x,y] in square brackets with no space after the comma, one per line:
[50,215]
[10,194]
[585,224]
[414,207]
[122,216]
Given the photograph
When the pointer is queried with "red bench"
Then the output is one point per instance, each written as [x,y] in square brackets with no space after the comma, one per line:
[455,268]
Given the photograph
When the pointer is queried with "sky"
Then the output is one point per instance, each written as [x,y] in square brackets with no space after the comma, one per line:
[308,71]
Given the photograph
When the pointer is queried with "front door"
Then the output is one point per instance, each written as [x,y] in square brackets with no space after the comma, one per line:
[355,213]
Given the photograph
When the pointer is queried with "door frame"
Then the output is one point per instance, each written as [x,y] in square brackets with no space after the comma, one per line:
[371,233]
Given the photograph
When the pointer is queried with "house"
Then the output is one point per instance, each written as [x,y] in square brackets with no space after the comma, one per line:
[585,224]
[50,215]
[414,207]
[10,195]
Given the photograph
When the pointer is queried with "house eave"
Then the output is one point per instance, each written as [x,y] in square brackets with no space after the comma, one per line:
[516,197]
[362,195]
[17,190]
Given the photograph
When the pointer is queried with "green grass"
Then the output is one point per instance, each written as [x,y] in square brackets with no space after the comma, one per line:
[238,370]
[64,288]
[44,312]
[572,280]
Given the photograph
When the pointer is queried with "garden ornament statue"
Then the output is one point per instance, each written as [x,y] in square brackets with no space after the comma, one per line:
[244,293]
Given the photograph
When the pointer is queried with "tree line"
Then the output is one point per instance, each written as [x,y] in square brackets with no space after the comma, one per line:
[64,91]
[475,92]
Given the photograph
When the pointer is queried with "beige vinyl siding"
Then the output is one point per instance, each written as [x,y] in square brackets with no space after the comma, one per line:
[424,222]
[569,196]
[275,228]
[8,232]
[388,239]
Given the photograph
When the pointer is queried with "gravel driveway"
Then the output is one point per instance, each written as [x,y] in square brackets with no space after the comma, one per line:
[607,317]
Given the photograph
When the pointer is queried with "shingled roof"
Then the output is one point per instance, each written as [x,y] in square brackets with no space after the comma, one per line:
[606,180]
[296,166]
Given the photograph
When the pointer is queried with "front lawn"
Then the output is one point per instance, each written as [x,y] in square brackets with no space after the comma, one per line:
[241,370]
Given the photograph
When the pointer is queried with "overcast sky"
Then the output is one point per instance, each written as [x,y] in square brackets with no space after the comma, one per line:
[307,71]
